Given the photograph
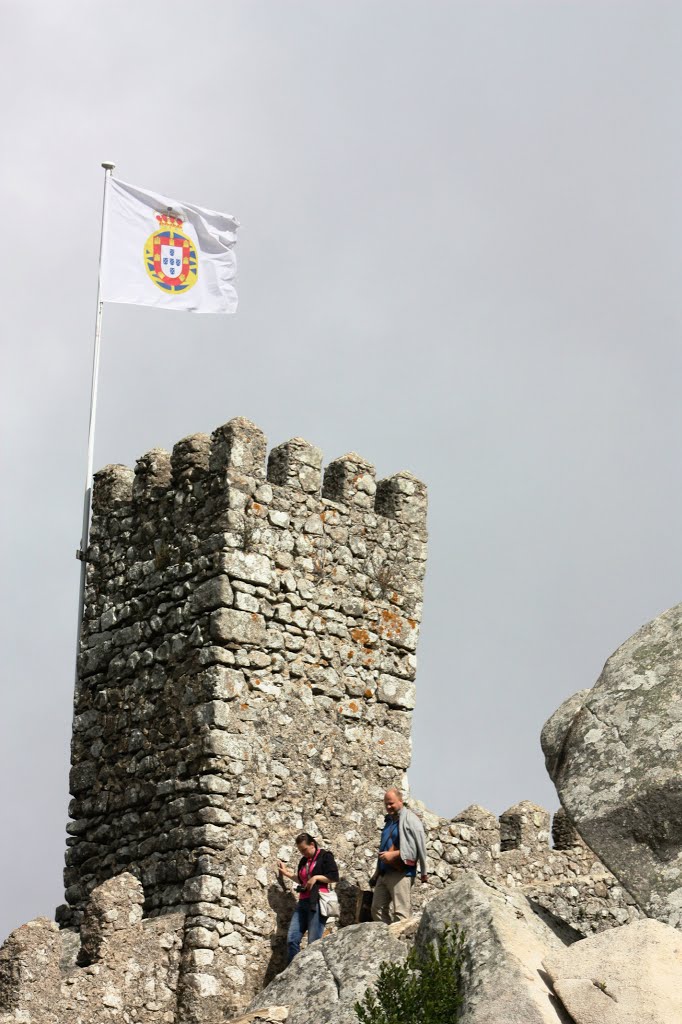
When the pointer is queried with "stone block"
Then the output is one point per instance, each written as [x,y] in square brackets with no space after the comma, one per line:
[228,625]
[219,682]
[398,693]
[214,593]
[391,747]
[202,888]
[247,566]
[229,745]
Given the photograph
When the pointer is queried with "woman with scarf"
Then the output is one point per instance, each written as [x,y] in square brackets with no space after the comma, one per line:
[316,870]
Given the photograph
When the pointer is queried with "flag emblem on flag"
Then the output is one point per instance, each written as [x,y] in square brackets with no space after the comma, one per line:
[170,256]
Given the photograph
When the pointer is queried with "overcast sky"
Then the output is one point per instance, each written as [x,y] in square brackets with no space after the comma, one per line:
[459,255]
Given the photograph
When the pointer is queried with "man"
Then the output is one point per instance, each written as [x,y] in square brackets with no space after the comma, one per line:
[402,846]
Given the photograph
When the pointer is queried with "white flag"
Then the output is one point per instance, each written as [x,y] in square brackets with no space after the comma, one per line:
[160,252]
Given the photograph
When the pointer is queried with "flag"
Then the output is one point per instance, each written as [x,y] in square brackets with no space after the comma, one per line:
[160,252]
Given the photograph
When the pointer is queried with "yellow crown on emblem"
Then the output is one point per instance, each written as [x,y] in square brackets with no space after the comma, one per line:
[169,220]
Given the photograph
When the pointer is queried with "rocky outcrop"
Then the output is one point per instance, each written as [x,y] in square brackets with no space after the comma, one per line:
[324,982]
[506,942]
[615,756]
[521,966]
[628,975]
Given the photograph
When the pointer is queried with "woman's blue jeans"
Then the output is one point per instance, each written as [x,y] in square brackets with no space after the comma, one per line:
[304,920]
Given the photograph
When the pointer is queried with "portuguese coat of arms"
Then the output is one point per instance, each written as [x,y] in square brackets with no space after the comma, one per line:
[170,257]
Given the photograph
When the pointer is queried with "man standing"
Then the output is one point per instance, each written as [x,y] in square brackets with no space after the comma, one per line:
[402,846]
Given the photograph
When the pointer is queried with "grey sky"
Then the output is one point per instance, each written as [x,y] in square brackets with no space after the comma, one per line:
[459,255]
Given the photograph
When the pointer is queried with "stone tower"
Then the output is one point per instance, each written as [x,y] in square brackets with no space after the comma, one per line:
[246,671]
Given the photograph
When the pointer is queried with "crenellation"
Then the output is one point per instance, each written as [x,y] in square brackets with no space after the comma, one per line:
[570,883]
[112,488]
[190,460]
[152,476]
[238,449]
[402,497]
[350,480]
[296,463]
[564,834]
[524,826]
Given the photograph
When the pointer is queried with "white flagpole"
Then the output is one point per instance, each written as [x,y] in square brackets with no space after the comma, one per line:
[82,552]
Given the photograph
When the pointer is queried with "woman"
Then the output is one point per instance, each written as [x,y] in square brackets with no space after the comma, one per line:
[316,869]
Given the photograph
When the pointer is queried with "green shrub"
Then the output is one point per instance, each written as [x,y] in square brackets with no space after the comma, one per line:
[424,989]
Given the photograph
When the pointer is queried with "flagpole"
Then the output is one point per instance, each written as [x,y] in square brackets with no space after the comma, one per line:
[82,553]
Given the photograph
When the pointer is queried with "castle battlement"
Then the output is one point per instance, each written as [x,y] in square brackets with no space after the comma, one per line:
[246,671]
[235,456]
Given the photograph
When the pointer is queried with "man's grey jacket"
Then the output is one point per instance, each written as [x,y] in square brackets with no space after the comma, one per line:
[412,838]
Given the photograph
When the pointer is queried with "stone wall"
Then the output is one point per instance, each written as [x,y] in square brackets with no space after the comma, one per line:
[246,671]
[126,969]
[514,852]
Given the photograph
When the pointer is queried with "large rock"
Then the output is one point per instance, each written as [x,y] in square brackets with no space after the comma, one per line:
[507,942]
[324,982]
[615,756]
[629,975]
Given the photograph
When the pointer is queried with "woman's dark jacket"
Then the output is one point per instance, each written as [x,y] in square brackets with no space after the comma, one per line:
[324,865]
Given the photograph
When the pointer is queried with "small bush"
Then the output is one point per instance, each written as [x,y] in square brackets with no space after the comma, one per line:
[323,565]
[387,575]
[424,989]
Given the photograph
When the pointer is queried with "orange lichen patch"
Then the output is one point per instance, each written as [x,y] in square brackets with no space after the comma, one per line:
[394,598]
[380,742]
[368,659]
[369,693]
[391,625]
[412,623]
[350,654]
[323,516]
[243,706]
[353,706]
[256,682]
[361,636]
[255,616]
[255,507]
[340,708]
